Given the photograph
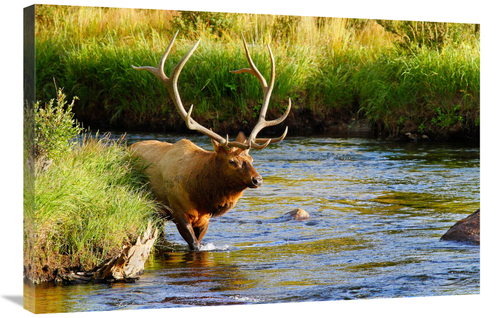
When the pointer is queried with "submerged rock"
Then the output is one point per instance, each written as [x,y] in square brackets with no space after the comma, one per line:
[297,215]
[465,230]
[416,137]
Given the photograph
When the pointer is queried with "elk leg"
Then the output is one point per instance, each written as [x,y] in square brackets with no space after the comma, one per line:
[187,233]
[166,214]
[200,231]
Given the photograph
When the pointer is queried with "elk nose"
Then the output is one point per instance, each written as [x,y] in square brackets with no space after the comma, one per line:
[257,181]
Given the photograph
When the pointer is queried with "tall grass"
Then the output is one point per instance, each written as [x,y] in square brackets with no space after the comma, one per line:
[328,66]
[87,206]
[421,89]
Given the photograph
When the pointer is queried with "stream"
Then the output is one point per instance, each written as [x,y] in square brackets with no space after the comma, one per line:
[377,212]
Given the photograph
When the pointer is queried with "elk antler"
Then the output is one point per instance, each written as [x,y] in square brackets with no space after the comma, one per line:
[258,143]
[171,85]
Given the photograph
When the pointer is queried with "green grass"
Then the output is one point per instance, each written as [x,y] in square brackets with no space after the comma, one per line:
[421,88]
[87,205]
[330,67]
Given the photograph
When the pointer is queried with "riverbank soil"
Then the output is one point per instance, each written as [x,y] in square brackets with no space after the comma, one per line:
[301,121]
[125,266]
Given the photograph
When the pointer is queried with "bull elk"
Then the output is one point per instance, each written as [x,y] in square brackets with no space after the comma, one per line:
[196,184]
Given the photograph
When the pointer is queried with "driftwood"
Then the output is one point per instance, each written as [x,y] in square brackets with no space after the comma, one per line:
[465,230]
[122,268]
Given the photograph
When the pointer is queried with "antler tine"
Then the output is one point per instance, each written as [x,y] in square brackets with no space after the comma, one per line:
[272,140]
[267,89]
[171,84]
[158,71]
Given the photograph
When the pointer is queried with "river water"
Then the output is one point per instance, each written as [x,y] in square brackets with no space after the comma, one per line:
[378,210]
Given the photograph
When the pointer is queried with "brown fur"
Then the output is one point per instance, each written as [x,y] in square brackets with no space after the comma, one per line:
[194,183]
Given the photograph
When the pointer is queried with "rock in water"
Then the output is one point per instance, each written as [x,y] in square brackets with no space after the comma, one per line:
[466,230]
[295,215]
[298,215]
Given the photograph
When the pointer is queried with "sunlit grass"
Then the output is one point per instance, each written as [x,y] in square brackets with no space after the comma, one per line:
[87,205]
[330,66]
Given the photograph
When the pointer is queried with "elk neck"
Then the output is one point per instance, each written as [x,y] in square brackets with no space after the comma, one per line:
[212,187]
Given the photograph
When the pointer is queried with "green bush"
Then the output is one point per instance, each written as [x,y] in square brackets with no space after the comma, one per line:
[193,22]
[55,127]
[433,35]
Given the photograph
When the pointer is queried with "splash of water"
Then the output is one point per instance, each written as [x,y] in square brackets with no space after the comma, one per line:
[212,247]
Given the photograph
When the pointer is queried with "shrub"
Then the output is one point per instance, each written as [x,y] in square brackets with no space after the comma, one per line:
[193,22]
[55,127]
[434,35]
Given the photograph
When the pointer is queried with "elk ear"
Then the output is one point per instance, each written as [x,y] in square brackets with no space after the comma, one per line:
[241,138]
[217,146]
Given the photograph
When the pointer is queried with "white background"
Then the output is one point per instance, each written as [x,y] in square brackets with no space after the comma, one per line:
[483,11]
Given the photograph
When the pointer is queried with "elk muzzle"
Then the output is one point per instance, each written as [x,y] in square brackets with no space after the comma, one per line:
[256,181]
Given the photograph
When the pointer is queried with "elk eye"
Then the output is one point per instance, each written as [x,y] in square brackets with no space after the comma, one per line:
[232,162]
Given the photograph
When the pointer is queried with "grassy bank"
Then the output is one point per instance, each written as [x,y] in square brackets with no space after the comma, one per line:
[88,204]
[84,196]
[333,69]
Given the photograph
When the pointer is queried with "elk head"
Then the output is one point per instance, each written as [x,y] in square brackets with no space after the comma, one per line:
[236,165]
